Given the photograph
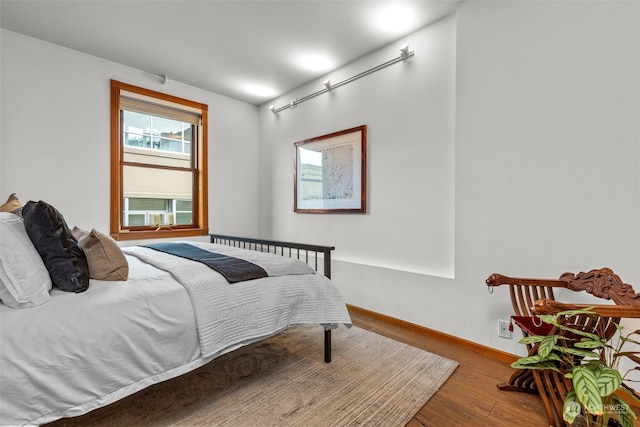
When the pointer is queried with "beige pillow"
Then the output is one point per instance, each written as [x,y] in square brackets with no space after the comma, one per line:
[12,204]
[104,256]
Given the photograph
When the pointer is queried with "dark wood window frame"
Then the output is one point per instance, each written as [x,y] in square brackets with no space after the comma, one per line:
[200,225]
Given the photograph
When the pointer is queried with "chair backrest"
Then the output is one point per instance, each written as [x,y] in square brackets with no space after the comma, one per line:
[603,283]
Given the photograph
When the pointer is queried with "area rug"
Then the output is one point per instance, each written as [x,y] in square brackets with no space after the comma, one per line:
[283,381]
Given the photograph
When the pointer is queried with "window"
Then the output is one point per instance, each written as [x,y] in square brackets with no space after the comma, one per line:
[158,164]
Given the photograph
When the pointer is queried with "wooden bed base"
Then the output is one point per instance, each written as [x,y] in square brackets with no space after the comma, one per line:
[315,255]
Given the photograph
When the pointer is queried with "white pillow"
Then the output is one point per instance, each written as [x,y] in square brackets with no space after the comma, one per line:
[24,280]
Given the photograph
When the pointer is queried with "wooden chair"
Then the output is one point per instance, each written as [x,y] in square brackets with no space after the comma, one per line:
[602,322]
[535,296]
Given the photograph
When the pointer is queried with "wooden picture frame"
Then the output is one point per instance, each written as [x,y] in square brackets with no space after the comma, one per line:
[330,173]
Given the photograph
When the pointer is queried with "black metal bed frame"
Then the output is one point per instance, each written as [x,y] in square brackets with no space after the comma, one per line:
[308,253]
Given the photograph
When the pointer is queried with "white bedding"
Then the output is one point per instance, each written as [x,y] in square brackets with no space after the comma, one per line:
[82,351]
[229,316]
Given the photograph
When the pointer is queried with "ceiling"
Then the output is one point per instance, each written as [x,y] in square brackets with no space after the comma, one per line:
[233,48]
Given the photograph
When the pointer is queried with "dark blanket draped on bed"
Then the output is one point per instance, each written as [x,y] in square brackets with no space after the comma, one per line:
[233,269]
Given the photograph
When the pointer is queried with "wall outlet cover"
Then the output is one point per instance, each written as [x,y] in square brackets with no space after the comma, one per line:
[503,329]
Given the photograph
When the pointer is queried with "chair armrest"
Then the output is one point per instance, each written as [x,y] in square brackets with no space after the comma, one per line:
[499,279]
[547,306]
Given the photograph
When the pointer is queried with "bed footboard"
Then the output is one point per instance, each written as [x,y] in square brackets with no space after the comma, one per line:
[318,257]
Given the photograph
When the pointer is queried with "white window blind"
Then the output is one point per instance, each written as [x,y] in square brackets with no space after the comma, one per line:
[142,104]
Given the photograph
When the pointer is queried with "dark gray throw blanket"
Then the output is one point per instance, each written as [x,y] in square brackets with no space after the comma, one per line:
[233,269]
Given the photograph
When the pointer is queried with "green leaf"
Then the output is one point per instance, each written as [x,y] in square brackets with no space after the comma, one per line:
[571,407]
[532,339]
[624,413]
[608,380]
[580,332]
[536,358]
[547,345]
[589,344]
[528,360]
[586,387]
[540,364]
[625,420]
[551,319]
[579,352]
[571,313]
[595,365]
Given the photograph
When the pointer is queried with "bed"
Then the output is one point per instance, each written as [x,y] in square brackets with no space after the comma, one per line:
[81,351]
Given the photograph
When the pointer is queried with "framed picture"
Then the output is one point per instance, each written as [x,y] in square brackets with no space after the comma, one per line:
[330,173]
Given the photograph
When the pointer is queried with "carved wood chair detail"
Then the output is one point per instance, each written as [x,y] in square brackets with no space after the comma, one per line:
[530,297]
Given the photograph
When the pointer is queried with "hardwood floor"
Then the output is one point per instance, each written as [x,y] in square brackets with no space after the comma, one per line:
[470,396]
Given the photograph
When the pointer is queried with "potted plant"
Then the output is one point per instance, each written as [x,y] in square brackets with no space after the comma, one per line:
[591,366]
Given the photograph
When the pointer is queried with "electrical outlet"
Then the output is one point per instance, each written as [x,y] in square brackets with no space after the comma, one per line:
[503,329]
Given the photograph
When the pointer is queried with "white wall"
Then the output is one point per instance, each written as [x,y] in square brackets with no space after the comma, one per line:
[55,141]
[547,145]
[394,257]
[408,109]
[518,155]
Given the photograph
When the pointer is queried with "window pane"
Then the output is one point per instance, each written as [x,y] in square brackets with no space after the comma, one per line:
[140,182]
[183,218]
[146,211]
[135,219]
[173,134]
[184,205]
[158,134]
[150,212]
[134,127]
[147,204]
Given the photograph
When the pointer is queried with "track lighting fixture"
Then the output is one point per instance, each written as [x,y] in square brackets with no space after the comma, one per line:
[405,53]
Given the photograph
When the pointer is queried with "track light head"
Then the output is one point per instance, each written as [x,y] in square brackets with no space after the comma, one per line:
[327,84]
[405,52]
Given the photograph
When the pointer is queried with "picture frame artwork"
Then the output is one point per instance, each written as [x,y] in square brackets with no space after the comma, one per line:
[330,173]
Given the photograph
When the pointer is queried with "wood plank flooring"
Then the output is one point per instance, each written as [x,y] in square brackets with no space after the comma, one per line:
[470,396]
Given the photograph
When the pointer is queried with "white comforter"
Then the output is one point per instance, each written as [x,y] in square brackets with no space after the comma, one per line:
[230,315]
[82,351]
